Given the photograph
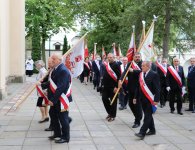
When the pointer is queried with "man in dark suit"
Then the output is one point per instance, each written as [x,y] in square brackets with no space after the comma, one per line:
[133,81]
[96,64]
[162,71]
[152,84]
[111,75]
[175,82]
[191,85]
[61,77]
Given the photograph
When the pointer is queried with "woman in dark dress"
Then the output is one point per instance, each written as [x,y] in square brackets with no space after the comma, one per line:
[86,70]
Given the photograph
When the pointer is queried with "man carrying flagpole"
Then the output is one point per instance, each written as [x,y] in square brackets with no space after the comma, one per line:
[149,94]
[110,79]
[60,85]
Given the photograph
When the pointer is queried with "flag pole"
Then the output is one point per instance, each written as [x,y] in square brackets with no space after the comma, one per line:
[113,99]
[118,89]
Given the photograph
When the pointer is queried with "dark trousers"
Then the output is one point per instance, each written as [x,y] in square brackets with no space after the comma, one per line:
[53,112]
[107,95]
[175,95]
[191,96]
[163,95]
[64,121]
[148,122]
[96,80]
[123,98]
[135,108]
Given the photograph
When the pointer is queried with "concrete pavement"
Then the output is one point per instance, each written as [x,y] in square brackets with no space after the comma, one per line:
[20,130]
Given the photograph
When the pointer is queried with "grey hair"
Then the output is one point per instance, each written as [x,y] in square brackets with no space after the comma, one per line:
[148,63]
[175,58]
[40,62]
[58,56]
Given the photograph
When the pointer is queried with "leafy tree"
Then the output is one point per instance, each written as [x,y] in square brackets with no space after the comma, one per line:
[49,16]
[111,21]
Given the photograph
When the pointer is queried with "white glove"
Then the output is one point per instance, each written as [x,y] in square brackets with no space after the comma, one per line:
[168,88]
[184,90]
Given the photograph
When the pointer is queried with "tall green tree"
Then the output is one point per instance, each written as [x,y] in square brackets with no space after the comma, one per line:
[50,15]
[111,21]
[65,46]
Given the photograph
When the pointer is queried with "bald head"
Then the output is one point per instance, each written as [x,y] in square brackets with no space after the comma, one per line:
[110,57]
[125,60]
[56,59]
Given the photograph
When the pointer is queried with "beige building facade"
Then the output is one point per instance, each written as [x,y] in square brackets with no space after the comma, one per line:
[12,43]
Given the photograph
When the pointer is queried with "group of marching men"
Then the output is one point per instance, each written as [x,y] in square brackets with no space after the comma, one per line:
[142,85]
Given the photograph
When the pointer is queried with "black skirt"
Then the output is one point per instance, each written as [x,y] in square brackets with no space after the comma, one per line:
[40,102]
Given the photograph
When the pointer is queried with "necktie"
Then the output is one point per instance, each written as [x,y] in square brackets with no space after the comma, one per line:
[177,68]
[144,74]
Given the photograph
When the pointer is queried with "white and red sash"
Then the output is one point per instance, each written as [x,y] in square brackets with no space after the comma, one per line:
[40,91]
[122,70]
[135,66]
[110,71]
[87,65]
[175,75]
[146,91]
[162,68]
[64,102]
[98,64]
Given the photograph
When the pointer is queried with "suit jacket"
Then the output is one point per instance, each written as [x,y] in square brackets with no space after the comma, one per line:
[107,80]
[171,82]
[61,77]
[95,68]
[153,83]
[162,77]
[133,78]
[191,77]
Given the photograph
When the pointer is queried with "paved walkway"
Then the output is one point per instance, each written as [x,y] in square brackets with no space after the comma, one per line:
[19,127]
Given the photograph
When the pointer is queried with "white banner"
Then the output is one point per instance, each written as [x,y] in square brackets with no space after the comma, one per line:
[75,59]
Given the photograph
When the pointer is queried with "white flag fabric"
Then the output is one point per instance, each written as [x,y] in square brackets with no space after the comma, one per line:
[119,51]
[75,59]
[146,48]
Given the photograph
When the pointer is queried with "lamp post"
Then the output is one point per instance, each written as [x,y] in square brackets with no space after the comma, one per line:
[49,45]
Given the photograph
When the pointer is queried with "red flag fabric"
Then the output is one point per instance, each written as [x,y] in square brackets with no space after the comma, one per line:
[132,48]
[86,53]
[103,53]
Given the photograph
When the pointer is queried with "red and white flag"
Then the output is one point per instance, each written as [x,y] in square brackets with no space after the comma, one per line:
[103,53]
[86,54]
[74,59]
[132,48]
[114,49]
[146,48]
[94,51]
[119,51]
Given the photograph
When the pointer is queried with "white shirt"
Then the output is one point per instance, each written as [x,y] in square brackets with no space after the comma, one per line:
[42,73]
[29,64]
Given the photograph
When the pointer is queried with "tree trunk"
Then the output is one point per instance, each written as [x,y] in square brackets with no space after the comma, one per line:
[43,49]
[167,30]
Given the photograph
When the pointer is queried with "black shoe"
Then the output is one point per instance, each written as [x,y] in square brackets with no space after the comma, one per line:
[125,107]
[193,111]
[180,113]
[53,137]
[135,125]
[141,136]
[172,111]
[47,119]
[48,129]
[188,110]
[151,133]
[121,108]
[61,141]
[70,120]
